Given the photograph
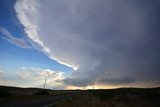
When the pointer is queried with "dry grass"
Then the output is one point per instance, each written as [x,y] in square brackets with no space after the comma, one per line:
[8,94]
[101,99]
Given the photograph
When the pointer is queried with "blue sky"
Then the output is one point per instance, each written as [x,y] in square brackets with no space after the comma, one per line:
[20,57]
[14,57]
[80,44]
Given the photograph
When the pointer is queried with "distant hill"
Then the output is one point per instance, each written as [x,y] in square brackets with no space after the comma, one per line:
[9,93]
[11,88]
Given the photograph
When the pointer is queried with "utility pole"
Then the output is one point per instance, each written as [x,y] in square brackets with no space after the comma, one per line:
[44,84]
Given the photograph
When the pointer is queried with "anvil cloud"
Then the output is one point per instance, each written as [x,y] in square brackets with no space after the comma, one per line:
[105,41]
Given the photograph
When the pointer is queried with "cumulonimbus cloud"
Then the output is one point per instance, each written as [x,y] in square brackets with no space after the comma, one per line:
[103,39]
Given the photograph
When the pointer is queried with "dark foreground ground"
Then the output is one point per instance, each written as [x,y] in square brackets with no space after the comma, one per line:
[40,102]
[122,97]
[32,97]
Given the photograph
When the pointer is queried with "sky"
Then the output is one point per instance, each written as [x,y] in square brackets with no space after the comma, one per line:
[80,44]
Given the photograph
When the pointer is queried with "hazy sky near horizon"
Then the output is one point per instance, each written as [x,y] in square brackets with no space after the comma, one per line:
[80,43]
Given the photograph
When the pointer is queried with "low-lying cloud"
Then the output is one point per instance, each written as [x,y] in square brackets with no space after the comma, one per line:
[105,40]
[32,77]
[122,80]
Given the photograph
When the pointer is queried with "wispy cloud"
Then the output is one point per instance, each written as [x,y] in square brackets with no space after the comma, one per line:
[107,39]
[12,39]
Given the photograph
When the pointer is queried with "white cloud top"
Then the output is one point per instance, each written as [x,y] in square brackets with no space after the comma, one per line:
[31,19]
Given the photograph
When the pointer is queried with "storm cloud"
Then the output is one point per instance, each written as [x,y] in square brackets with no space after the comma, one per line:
[108,41]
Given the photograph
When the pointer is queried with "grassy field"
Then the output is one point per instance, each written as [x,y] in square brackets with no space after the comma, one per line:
[124,97]
[8,94]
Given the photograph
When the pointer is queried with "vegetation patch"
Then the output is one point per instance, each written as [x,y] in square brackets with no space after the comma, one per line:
[42,92]
[124,97]
[5,93]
